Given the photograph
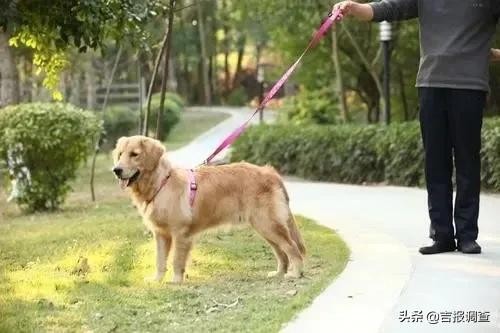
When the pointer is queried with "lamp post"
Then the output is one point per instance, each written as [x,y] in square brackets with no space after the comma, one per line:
[260,79]
[385,39]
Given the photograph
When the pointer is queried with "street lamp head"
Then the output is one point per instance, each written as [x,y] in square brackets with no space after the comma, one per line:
[385,31]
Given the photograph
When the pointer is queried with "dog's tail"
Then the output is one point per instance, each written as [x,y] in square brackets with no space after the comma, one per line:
[295,233]
[292,224]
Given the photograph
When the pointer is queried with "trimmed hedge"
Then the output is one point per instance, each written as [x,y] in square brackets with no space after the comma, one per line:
[355,154]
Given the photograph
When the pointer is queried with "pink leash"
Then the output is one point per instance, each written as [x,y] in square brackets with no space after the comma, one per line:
[231,138]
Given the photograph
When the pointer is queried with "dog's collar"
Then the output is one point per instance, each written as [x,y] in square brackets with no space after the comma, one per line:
[163,183]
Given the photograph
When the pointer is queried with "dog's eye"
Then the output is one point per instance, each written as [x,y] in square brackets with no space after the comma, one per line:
[133,154]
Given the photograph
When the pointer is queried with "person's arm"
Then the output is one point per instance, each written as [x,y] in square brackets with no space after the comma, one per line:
[385,10]
[495,55]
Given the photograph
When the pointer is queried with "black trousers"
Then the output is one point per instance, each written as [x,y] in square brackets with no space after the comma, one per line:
[451,121]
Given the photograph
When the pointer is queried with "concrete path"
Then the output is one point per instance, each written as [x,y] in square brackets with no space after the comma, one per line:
[199,149]
[387,286]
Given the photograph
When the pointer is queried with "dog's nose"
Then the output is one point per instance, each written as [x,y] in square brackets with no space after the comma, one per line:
[118,171]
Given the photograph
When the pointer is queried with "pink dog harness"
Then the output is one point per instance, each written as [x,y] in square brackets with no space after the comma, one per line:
[192,186]
[163,183]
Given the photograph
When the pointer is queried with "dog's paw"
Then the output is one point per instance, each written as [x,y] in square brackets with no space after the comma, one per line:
[293,275]
[154,278]
[178,278]
[275,274]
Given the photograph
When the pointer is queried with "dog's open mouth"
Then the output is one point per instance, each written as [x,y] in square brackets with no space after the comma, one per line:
[124,183]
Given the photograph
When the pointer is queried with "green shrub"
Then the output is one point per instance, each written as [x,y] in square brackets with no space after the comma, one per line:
[171,116]
[119,120]
[355,154]
[312,107]
[490,154]
[177,99]
[50,140]
[237,97]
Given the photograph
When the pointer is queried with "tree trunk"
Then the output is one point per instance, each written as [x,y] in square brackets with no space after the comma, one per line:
[227,74]
[25,79]
[9,78]
[369,67]
[140,82]
[166,69]
[213,53]
[90,85]
[173,82]
[204,55]
[74,97]
[239,63]
[211,75]
[145,128]
[402,89]
[186,75]
[338,77]
[225,29]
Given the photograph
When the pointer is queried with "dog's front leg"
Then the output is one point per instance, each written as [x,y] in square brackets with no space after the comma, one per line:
[163,244]
[182,248]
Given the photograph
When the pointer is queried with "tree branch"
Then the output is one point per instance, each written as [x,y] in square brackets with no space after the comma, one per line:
[365,61]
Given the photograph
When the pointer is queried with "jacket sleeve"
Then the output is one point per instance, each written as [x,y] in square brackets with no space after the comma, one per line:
[394,10]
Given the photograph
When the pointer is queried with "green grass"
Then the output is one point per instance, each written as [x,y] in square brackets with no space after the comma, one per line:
[40,289]
[192,124]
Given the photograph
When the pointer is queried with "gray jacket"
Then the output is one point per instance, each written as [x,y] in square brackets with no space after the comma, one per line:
[455,38]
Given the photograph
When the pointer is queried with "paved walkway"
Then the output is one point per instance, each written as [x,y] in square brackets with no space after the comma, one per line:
[386,280]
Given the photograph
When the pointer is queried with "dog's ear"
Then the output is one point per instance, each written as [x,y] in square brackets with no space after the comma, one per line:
[153,151]
[117,149]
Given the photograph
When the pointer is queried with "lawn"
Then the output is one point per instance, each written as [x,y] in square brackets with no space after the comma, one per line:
[83,268]
[191,124]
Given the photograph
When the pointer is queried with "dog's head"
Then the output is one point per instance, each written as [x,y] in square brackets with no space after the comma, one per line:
[134,157]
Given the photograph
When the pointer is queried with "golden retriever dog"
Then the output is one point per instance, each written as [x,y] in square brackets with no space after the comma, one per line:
[228,194]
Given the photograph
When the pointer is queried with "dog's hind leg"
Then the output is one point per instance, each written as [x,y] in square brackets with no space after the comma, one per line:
[277,233]
[281,259]
[182,247]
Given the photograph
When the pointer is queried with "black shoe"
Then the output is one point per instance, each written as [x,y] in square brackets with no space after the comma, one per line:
[439,247]
[469,247]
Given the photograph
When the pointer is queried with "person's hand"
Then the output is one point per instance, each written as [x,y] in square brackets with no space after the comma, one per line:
[345,7]
[361,11]
[495,55]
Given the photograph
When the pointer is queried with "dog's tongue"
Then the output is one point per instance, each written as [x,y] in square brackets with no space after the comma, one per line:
[123,183]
